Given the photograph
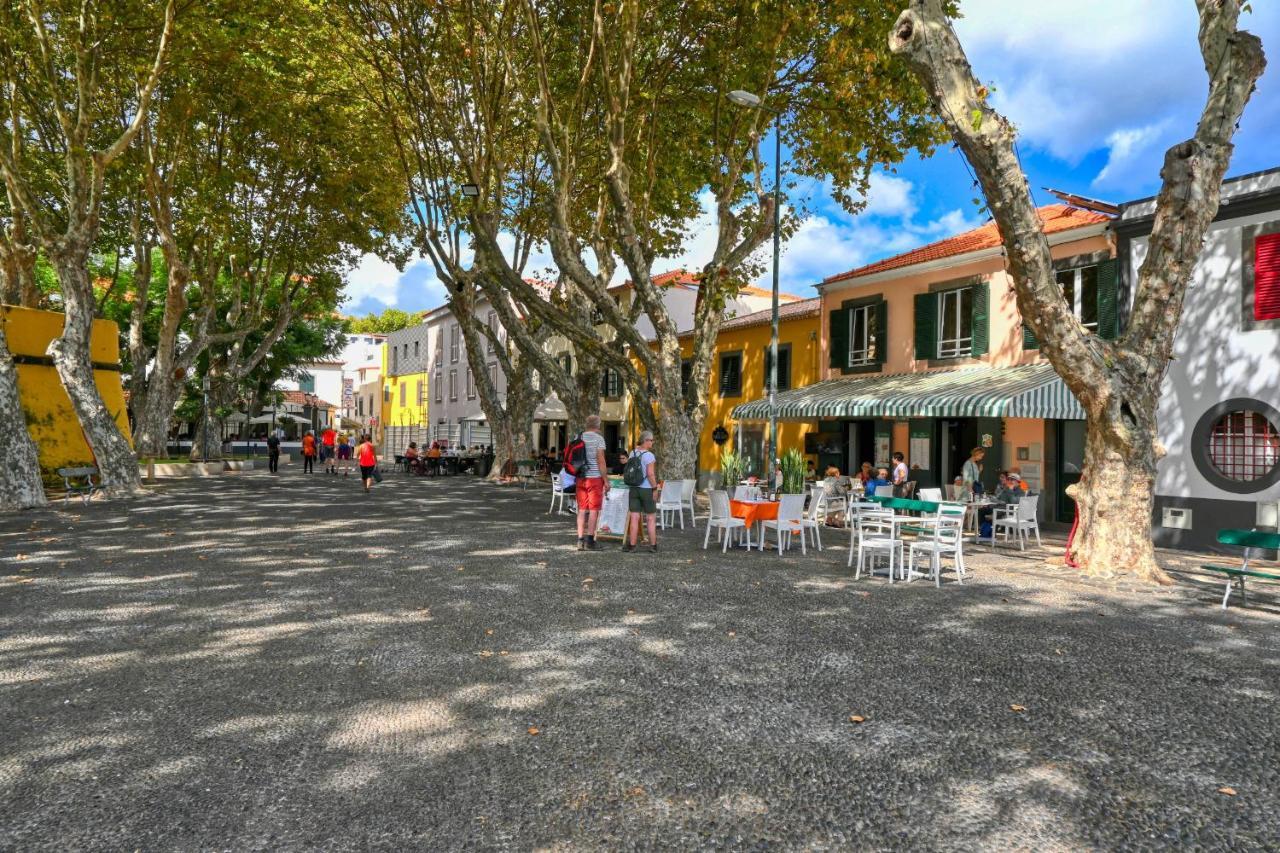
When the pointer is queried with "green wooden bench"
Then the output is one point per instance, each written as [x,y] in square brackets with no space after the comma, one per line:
[1248,540]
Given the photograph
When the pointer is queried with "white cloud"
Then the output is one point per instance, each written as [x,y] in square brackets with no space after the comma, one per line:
[1125,146]
[373,279]
[1078,76]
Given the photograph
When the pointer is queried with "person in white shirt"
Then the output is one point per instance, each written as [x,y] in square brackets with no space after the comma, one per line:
[900,472]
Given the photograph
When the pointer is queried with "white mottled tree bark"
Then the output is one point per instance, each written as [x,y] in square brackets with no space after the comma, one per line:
[1117,382]
[20,485]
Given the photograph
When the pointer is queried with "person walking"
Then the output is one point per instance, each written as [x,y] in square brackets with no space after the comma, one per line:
[309,453]
[641,477]
[367,457]
[591,485]
[273,453]
[328,450]
[344,452]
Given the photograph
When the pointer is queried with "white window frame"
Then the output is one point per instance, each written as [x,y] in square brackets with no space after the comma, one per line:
[863,353]
[493,326]
[471,385]
[454,333]
[439,388]
[1077,292]
[453,385]
[961,346]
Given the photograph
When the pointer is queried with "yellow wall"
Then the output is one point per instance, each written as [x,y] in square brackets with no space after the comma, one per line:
[411,413]
[753,341]
[50,418]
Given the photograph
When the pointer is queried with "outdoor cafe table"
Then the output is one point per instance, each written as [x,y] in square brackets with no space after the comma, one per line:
[754,512]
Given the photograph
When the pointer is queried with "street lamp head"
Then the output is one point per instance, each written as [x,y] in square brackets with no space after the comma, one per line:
[471,190]
[204,384]
[745,99]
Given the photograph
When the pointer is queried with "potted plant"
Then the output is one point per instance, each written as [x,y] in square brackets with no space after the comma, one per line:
[731,467]
[793,472]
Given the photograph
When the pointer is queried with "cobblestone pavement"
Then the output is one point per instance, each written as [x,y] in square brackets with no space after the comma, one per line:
[258,663]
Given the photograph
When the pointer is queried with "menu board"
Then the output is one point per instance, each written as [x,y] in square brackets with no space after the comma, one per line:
[613,514]
[919,451]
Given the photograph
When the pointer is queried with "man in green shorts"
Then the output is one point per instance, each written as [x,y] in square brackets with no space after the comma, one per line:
[641,501]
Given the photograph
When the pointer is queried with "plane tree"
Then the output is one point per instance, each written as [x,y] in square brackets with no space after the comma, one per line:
[1116,381]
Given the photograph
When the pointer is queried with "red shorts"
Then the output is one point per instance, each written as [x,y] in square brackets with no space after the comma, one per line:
[590,493]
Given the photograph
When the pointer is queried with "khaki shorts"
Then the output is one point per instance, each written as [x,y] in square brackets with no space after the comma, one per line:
[641,500]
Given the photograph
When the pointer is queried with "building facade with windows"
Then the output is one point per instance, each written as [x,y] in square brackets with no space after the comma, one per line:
[925,353]
[1219,413]
[405,388]
[740,372]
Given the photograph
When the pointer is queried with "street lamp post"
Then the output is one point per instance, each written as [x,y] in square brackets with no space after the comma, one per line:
[747,99]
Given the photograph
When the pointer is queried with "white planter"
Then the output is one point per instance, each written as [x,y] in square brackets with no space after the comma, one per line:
[239,465]
[165,471]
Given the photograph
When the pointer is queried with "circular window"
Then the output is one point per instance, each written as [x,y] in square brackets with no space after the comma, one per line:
[1236,445]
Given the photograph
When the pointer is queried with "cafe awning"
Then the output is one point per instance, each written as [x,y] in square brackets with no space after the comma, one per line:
[1027,391]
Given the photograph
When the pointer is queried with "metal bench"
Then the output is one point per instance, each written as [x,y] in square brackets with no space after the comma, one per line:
[1248,540]
[79,481]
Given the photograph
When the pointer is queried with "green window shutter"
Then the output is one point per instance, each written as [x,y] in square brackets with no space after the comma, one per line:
[1029,338]
[981,319]
[1108,299]
[882,330]
[926,326]
[838,339]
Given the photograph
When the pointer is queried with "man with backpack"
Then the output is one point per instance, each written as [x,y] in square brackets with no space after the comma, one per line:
[584,460]
[640,476]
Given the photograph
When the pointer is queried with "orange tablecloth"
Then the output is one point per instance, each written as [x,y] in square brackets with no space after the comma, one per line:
[753,513]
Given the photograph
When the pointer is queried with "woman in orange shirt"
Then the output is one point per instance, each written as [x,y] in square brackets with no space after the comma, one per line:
[367,456]
[309,453]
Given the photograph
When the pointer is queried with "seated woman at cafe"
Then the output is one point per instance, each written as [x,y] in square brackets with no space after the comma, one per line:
[835,486]
[866,472]
[880,479]
[411,457]
[619,465]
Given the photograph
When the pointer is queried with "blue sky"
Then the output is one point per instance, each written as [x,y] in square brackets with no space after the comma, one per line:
[1098,89]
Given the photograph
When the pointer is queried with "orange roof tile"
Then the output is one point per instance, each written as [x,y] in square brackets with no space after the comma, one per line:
[301,398]
[790,311]
[1056,218]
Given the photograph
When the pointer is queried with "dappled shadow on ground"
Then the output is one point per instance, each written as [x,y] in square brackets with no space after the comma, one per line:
[259,662]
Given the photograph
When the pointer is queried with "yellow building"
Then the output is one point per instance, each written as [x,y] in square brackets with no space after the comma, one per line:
[405,408]
[738,374]
[51,419]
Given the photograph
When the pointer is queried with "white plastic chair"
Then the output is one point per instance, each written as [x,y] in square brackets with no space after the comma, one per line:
[946,540]
[721,519]
[671,500]
[857,508]
[884,491]
[688,497]
[1020,522]
[558,494]
[816,515]
[790,518]
[934,495]
[874,535]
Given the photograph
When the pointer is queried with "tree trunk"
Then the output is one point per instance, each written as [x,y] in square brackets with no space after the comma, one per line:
[115,459]
[20,485]
[154,417]
[678,445]
[513,428]
[1115,494]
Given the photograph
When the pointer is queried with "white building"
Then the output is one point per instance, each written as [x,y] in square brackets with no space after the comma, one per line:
[337,379]
[1220,407]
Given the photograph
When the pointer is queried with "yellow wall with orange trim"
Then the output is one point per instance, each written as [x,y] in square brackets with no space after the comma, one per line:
[753,341]
[50,418]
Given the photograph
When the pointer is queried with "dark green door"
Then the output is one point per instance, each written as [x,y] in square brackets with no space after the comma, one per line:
[1070,463]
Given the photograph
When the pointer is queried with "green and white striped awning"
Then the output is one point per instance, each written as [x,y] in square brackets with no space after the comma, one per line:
[1028,391]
